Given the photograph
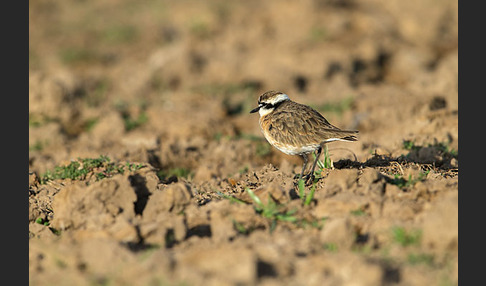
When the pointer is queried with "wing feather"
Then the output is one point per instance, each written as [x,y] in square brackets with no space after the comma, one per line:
[297,124]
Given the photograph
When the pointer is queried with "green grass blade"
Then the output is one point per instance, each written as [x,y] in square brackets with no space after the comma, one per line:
[309,198]
[255,198]
[301,187]
[286,218]
[230,198]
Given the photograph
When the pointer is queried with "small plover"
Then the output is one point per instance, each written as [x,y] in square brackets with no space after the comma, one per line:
[297,129]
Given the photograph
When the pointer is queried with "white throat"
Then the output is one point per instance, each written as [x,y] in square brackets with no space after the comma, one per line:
[264,111]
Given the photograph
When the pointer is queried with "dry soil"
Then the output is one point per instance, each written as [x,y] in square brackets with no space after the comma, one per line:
[144,159]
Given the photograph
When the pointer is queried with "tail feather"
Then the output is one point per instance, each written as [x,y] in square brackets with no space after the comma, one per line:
[350,138]
[341,135]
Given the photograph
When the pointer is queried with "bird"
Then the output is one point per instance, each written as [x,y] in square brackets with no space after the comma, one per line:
[297,129]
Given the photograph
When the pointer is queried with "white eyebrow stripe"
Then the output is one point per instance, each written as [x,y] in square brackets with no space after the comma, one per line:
[279,98]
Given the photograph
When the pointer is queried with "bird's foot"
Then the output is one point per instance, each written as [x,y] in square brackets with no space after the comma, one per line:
[309,179]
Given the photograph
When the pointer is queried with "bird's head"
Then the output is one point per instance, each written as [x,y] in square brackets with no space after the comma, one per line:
[268,101]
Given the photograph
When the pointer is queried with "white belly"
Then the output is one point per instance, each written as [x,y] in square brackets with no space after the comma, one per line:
[290,149]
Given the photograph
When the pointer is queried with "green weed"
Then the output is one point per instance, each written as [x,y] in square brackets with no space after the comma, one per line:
[122,34]
[45,222]
[403,183]
[316,223]
[409,145]
[406,238]
[129,121]
[90,123]
[237,225]
[318,34]
[358,212]
[230,198]
[38,120]
[263,149]
[132,123]
[101,168]
[271,210]
[306,198]
[249,137]
[326,163]
[217,136]
[241,228]
[42,221]
[330,246]
[37,146]
[200,29]
[362,249]
[274,212]
[443,147]
[77,55]
[95,96]
[174,172]
[133,167]
[243,170]
[420,258]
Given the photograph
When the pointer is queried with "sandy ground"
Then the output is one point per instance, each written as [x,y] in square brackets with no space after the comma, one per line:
[145,161]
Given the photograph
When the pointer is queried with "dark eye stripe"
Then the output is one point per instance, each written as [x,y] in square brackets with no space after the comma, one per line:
[270,106]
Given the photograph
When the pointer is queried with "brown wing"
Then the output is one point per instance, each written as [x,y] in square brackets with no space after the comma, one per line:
[298,124]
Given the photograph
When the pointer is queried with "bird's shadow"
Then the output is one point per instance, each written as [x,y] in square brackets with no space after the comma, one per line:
[440,162]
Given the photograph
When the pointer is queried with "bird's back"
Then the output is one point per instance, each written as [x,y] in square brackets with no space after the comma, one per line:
[296,124]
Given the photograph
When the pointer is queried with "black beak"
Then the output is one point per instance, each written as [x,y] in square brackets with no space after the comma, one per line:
[256,109]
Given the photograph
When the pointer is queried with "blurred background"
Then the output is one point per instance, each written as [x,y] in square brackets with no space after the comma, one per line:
[102,70]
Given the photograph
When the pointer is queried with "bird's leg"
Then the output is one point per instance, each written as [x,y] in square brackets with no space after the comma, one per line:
[303,166]
[311,174]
